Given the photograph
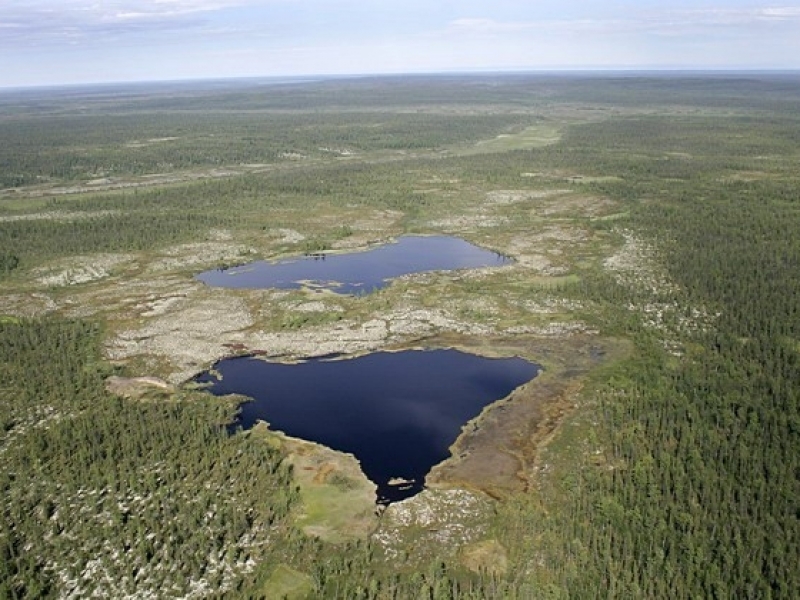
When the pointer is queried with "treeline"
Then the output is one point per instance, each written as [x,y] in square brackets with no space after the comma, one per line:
[25,243]
[8,262]
[66,148]
[420,93]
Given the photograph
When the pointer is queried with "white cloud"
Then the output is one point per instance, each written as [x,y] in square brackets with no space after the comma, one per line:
[489,26]
[728,16]
[38,21]
[657,22]
[127,9]
[782,13]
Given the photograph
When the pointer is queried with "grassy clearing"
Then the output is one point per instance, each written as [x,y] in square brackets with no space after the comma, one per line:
[336,502]
[535,136]
[614,217]
[286,583]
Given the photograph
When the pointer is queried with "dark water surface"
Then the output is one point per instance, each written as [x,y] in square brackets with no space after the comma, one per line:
[358,272]
[397,412]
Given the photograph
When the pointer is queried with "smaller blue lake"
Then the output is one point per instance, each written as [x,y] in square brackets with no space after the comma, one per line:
[397,412]
[358,272]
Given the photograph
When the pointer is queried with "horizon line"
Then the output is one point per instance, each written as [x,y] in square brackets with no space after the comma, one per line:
[316,77]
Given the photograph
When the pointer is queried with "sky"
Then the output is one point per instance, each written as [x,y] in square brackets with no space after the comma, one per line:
[56,42]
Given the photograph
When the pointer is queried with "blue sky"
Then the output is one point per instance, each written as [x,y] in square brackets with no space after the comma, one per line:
[49,42]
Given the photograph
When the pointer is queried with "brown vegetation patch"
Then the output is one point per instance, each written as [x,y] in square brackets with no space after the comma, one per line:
[137,387]
[496,452]
[26,305]
[576,206]
[487,556]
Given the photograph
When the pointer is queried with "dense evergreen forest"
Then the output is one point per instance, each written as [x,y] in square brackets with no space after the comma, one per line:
[676,474]
[88,477]
[700,494]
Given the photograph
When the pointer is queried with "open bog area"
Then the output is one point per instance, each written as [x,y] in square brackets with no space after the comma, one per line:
[632,243]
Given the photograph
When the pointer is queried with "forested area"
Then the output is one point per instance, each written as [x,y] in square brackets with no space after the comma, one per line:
[712,483]
[676,475]
[43,149]
[697,494]
[30,242]
[89,478]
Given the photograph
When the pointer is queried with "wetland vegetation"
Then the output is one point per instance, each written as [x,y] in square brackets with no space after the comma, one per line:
[654,227]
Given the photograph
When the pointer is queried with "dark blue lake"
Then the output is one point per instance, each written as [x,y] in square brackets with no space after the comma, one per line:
[397,412]
[358,272]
